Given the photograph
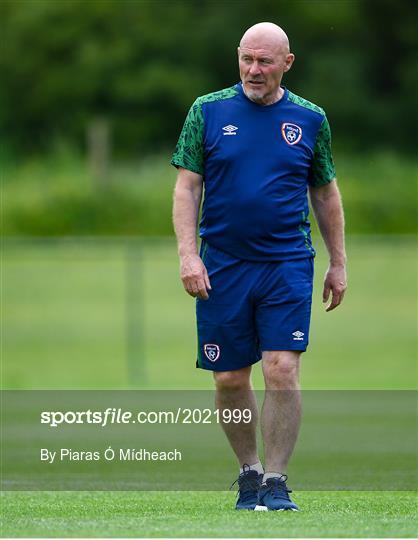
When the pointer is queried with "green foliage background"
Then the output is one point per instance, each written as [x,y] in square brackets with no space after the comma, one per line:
[139,64]
[142,63]
[56,195]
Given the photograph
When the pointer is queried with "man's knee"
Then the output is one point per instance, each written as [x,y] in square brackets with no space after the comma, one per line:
[281,368]
[232,380]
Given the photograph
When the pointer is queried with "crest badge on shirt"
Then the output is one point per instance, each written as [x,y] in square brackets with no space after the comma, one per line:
[212,351]
[292,133]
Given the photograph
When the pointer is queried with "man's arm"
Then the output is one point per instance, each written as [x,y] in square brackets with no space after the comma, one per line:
[328,210]
[187,199]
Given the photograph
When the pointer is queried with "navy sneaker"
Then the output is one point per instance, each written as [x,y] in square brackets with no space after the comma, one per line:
[249,483]
[274,495]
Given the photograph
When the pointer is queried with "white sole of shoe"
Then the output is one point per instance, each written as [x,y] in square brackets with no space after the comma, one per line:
[265,509]
[260,508]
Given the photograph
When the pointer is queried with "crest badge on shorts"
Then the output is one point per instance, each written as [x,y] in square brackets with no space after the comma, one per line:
[292,133]
[212,351]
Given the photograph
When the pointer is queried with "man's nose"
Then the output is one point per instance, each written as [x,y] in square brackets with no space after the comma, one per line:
[254,69]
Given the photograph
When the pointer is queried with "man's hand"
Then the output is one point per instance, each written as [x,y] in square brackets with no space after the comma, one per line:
[336,284]
[326,203]
[194,276]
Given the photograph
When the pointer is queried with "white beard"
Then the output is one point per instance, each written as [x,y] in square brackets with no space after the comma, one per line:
[253,96]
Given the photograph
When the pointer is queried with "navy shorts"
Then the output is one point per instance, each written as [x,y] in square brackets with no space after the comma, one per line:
[252,307]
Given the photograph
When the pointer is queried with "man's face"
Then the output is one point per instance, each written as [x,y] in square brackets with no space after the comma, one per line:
[261,72]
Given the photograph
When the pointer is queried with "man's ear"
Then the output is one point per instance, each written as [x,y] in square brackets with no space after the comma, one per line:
[290,58]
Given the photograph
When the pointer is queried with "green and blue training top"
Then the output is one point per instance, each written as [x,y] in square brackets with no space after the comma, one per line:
[257,162]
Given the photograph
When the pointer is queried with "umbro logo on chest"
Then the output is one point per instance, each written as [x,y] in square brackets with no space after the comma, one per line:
[230,129]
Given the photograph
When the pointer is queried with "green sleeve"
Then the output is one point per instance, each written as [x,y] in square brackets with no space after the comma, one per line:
[189,149]
[323,170]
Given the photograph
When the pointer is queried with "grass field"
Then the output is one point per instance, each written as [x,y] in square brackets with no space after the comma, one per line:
[103,315]
[206,514]
[99,314]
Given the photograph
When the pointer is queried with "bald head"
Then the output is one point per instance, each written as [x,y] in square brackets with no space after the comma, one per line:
[267,36]
[264,57]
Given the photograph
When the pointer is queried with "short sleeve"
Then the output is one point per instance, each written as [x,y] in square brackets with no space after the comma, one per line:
[189,148]
[322,170]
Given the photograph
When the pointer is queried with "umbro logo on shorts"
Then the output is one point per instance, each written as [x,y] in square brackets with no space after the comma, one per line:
[230,129]
[212,351]
[298,335]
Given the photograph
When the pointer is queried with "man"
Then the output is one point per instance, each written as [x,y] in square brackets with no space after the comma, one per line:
[257,148]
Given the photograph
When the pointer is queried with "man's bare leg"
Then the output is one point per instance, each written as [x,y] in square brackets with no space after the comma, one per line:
[234,391]
[281,412]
